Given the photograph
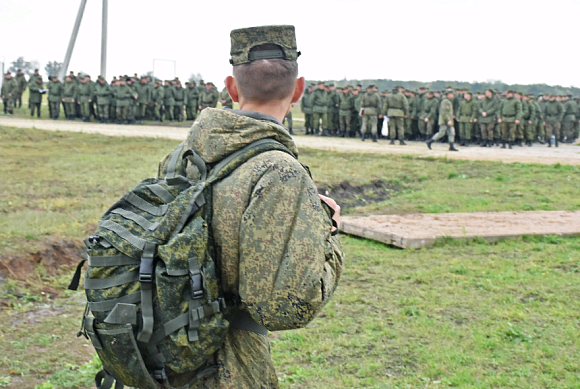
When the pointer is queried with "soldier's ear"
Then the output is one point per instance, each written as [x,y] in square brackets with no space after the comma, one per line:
[232,87]
[298,89]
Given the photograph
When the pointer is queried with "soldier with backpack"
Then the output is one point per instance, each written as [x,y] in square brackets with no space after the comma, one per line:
[190,270]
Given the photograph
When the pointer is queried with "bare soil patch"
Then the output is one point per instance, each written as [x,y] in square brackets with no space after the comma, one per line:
[54,256]
[350,196]
[422,230]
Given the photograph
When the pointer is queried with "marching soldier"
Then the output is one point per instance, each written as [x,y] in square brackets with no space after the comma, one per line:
[445,122]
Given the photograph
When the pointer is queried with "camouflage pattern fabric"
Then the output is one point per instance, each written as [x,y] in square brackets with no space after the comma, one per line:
[243,40]
[273,237]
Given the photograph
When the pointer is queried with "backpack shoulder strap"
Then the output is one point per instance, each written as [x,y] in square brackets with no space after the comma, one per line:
[226,166]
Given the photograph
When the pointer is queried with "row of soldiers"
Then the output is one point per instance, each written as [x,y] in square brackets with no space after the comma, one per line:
[14,87]
[125,99]
[477,118]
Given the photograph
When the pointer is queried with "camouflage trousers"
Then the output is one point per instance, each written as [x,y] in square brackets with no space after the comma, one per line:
[344,124]
[191,112]
[568,129]
[85,110]
[540,130]
[396,126]
[178,111]
[123,112]
[553,128]
[426,128]
[330,121]
[497,131]
[18,100]
[445,129]
[157,111]
[33,107]
[369,122]
[70,109]
[465,130]
[520,130]
[508,131]
[168,112]
[103,111]
[487,130]
[308,120]
[288,118]
[141,110]
[529,131]
[409,125]
[54,109]
[317,121]
[8,105]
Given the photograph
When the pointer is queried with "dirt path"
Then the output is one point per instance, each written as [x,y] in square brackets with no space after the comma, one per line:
[565,154]
[421,230]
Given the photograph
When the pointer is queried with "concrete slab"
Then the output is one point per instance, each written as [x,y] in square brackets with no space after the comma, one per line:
[422,230]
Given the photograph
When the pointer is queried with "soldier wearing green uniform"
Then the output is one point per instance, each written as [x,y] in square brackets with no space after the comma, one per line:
[332,102]
[103,94]
[8,93]
[318,101]
[306,108]
[487,112]
[179,96]
[528,120]
[445,122]
[396,107]
[124,96]
[209,97]
[412,117]
[570,119]
[55,89]
[428,114]
[510,116]
[158,97]
[69,97]
[371,109]
[21,85]
[169,100]
[143,91]
[466,116]
[35,96]
[191,100]
[345,109]
[226,99]
[85,94]
[553,116]
[274,246]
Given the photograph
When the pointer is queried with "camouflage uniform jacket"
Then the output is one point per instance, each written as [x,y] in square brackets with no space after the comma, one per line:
[272,237]
[191,96]
[305,102]
[55,90]
[346,104]
[225,95]
[554,112]
[445,112]
[570,111]
[103,92]
[372,104]
[429,110]
[510,110]
[21,82]
[467,111]
[318,100]
[396,105]
[489,106]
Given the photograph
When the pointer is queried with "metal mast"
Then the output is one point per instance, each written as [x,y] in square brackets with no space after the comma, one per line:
[73,39]
[104,39]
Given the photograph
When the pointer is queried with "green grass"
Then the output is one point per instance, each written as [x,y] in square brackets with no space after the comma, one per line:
[460,314]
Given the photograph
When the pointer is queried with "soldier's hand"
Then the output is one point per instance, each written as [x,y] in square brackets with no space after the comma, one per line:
[475,120]
[380,116]
[72,100]
[517,121]
[90,100]
[470,120]
[529,121]
[450,123]
[499,120]
[332,204]
[63,100]
[484,114]
[544,123]
[426,120]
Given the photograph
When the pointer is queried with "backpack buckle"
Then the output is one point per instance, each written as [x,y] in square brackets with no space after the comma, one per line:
[196,282]
[160,375]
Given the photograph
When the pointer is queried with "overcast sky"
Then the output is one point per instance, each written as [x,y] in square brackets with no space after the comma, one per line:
[510,40]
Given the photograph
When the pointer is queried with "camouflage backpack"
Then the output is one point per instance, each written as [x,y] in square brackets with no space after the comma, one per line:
[152,284]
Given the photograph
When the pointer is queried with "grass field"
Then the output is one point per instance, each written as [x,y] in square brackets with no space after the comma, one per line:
[461,314]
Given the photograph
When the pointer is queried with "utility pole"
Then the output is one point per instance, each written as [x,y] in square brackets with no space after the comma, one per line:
[104,39]
[73,39]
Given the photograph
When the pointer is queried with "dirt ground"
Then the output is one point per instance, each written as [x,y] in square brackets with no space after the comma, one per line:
[565,154]
[421,230]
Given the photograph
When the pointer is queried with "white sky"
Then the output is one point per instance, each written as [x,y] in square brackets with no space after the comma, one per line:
[515,41]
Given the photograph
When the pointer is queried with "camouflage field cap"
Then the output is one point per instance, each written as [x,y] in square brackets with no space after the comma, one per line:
[244,40]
